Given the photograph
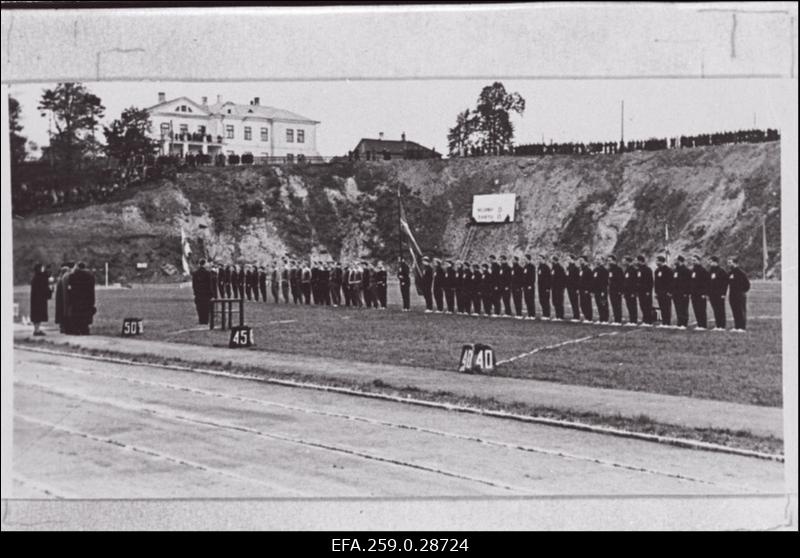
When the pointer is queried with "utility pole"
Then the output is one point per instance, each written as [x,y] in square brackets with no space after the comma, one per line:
[764,247]
[622,122]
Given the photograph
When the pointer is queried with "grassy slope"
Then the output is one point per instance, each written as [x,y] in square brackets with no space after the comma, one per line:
[712,198]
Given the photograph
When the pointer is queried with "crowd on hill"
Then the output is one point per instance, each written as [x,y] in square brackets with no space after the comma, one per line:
[594,289]
[652,144]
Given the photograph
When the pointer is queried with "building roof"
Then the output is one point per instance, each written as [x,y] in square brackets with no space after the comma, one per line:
[262,111]
[239,110]
[392,146]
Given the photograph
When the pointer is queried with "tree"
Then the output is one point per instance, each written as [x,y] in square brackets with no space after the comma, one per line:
[494,120]
[129,135]
[460,137]
[17,141]
[75,113]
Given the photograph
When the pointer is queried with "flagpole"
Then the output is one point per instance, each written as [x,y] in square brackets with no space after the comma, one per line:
[399,226]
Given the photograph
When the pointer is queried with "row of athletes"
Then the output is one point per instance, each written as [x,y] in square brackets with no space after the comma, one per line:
[489,289]
[319,282]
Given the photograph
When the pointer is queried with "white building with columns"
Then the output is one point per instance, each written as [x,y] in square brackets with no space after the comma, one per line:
[183,127]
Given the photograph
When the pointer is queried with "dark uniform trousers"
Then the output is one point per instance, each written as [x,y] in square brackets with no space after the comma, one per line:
[517,295]
[738,304]
[276,290]
[459,294]
[263,288]
[305,288]
[558,303]
[496,300]
[335,296]
[506,292]
[586,305]
[203,306]
[428,298]
[575,302]
[601,300]
[530,301]
[477,298]
[699,308]
[615,297]
[405,293]
[285,290]
[488,302]
[665,306]
[633,310]
[228,291]
[646,305]
[438,295]
[718,306]
[346,292]
[681,302]
[248,290]
[449,295]
[544,301]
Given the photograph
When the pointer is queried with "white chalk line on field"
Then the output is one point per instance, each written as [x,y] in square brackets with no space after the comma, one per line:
[407,399]
[195,420]
[41,487]
[395,425]
[556,346]
[150,452]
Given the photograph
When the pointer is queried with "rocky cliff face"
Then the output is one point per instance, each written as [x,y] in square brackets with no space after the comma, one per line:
[712,199]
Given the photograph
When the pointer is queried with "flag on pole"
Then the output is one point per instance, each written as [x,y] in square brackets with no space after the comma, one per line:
[186,251]
[413,248]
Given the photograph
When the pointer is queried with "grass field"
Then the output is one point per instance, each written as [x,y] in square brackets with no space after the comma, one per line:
[744,368]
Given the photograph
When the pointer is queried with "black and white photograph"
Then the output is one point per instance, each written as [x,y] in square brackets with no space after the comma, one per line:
[417,269]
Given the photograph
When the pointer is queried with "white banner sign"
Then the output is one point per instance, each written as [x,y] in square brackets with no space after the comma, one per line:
[494,208]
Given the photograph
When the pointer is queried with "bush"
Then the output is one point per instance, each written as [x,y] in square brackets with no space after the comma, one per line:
[204,159]
[233,159]
[219,160]
[247,159]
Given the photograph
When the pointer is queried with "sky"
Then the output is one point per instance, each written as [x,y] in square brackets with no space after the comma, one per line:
[557,110]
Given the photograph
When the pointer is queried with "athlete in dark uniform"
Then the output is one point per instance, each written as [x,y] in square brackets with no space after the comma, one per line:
[558,282]
[586,278]
[662,284]
[574,287]
[600,289]
[699,291]
[629,291]
[529,286]
[738,285]
[615,288]
[543,278]
[717,289]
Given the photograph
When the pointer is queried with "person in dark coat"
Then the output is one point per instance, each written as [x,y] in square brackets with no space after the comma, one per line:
[262,282]
[62,299]
[586,279]
[558,282]
[494,281]
[235,282]
[286,281]
[335,285]
[81,299]
[644,289]
[305,282]
[681,291]
[717,290]
[426,283]
[738,285]
[662,283]
[517,285]
[450,286]
[504,279]
[487,290]
[439,279]
[629,291]
[203,293]
[226,287]
[404,277]
[40,294]
[275,282]
[615,288]
[529,286]
[543,278]
[367,285]
[477,289]
[600,289]
[466,289]
[699,292]
[574,287]
[380,277]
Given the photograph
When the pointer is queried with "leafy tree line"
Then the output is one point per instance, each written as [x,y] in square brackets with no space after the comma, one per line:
[487,129]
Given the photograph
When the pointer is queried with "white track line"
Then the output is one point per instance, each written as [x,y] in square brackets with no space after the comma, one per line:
[188,330]
[394,425]
[680,442]
[556,346]
[156,454]
[41,487]
[72,394]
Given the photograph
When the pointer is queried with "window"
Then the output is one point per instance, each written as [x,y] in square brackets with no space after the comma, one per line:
[248,133]
[229,132]
[264,134]
[289,136]
[165,128]
[301,136]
